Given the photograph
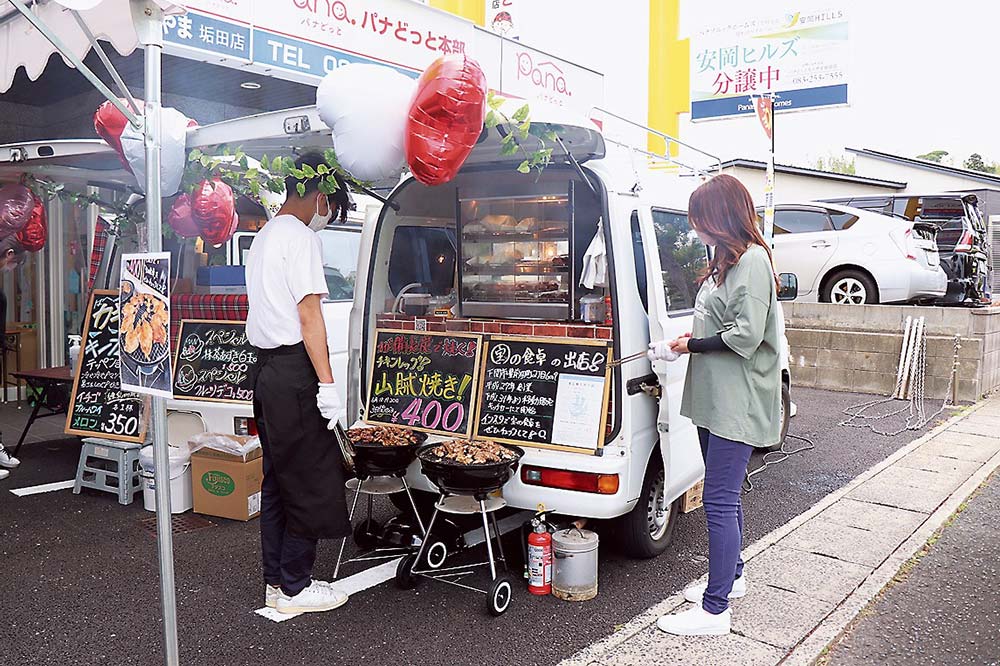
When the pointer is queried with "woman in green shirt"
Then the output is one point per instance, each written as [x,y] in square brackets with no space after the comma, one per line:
[732,391]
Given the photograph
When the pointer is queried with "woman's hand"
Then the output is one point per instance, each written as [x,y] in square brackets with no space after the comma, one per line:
[680,345]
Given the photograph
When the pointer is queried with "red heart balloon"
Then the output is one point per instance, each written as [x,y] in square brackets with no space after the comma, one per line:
[181,219]
[445,119]
[109,123]
[213,208]
[16,206]
[33,235]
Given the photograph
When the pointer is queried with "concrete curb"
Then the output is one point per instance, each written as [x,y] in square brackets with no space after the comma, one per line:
[592,655]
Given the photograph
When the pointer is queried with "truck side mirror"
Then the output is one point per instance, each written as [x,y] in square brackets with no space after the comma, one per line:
[789,288]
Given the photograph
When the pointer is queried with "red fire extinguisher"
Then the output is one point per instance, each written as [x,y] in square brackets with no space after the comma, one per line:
[539,558]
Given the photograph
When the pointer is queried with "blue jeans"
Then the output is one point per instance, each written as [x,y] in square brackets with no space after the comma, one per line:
[725,468]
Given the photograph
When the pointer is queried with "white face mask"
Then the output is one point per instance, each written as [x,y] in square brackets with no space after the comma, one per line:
[319,222]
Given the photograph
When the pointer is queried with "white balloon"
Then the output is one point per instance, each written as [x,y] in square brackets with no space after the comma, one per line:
[173,156]
[366,107]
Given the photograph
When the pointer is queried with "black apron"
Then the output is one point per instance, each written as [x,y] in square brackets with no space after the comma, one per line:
[304,453]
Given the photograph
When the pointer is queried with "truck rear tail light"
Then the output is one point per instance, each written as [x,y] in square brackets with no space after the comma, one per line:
[244,426]
[587,482]
[965,242]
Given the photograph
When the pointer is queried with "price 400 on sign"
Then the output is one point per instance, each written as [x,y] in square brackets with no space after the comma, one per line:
[425,381]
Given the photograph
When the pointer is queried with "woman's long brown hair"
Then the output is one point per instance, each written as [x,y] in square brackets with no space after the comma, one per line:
[723,209]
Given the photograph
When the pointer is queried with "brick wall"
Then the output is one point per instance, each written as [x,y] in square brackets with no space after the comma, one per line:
[496,326]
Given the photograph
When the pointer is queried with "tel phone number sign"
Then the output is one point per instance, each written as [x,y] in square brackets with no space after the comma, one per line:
[424,381]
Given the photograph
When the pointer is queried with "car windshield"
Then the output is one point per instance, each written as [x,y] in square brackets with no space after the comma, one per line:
[341,246]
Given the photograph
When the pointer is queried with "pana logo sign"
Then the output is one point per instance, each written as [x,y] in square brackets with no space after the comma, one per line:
[545,74]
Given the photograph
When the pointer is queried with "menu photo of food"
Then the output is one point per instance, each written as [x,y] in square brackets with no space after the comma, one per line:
[144,329]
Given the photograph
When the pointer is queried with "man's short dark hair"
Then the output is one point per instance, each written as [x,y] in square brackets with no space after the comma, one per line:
[340,201]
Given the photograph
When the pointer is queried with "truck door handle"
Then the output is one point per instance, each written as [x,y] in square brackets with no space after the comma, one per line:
[635,386]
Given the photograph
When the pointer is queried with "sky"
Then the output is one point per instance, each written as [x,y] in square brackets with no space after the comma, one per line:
[921,74]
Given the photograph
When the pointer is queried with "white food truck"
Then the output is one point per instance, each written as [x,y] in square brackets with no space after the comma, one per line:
[502,254]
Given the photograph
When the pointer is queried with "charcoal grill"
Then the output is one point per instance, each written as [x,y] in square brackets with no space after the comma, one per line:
[465,490]
[379,470]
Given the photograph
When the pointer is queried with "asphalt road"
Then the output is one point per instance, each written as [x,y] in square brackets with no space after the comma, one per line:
[80,583]
[945,610]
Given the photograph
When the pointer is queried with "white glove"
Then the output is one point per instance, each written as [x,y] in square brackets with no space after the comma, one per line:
[661,351]
[328,401]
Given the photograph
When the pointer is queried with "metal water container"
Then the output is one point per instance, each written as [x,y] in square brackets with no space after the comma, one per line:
[574,576]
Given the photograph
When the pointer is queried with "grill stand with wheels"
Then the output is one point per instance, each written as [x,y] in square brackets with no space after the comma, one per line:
[500,593]
[366,533]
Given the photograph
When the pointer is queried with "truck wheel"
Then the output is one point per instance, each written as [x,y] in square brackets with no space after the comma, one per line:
[646,529]
[850,288]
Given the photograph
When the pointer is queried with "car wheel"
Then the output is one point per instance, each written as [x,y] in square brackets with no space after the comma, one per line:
[850,288]
[646,529]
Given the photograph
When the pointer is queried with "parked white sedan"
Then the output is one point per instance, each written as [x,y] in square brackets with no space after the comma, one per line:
[853,257]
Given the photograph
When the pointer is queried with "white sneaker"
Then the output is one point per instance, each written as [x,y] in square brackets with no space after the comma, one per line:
[4,474]
[696,592]
[314,599]
[696,621]
[271,594]
[7,460]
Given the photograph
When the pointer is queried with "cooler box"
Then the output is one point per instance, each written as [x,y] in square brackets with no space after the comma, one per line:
[227,485]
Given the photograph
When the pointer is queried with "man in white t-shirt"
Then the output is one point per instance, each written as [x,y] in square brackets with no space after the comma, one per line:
[295,401]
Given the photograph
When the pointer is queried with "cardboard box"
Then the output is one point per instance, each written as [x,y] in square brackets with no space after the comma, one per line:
[693,497]
[226,485]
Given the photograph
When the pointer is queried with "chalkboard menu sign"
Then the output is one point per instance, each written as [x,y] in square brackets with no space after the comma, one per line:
[214,361]
[98,406]
[545,392]
[424,381]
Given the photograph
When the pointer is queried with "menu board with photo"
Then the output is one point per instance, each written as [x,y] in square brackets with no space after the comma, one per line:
[144,333]
[545,392]
[424,381]
[214,362]
[98,405]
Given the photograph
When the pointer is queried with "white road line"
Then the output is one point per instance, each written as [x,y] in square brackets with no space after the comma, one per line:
[45,488]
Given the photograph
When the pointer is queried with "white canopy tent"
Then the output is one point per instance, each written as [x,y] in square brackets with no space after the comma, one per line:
[30,32]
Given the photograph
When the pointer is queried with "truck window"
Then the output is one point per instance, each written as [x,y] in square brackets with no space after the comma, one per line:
[340,261]
[683,258]
[425,255]
[640,261]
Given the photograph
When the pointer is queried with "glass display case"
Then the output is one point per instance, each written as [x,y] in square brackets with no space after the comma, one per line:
[516,256]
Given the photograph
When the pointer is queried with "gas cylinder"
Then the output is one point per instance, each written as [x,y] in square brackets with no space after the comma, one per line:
[539,559]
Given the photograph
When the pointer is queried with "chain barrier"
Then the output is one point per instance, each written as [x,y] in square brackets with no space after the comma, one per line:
[916,406]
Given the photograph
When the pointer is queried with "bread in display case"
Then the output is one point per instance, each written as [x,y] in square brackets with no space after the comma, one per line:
[516,256]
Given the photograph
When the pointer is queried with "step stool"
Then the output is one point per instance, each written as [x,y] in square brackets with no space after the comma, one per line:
[109,466]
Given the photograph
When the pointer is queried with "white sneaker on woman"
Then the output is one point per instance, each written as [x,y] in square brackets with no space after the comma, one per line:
[695,593]
[696,621]
[4,474]
[271,594]
[314,599]
[7,460]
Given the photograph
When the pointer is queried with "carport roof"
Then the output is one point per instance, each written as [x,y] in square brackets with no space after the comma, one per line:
[743,163]
[969,174]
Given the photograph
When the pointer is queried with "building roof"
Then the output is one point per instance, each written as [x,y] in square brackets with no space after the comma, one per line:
[814,173]
[959,172]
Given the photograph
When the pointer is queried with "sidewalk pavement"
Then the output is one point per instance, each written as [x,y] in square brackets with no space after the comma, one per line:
[811,577]
[942,607]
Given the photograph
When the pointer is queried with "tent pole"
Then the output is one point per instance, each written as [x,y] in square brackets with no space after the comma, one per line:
[77,62]
[148,19]
[122,88]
